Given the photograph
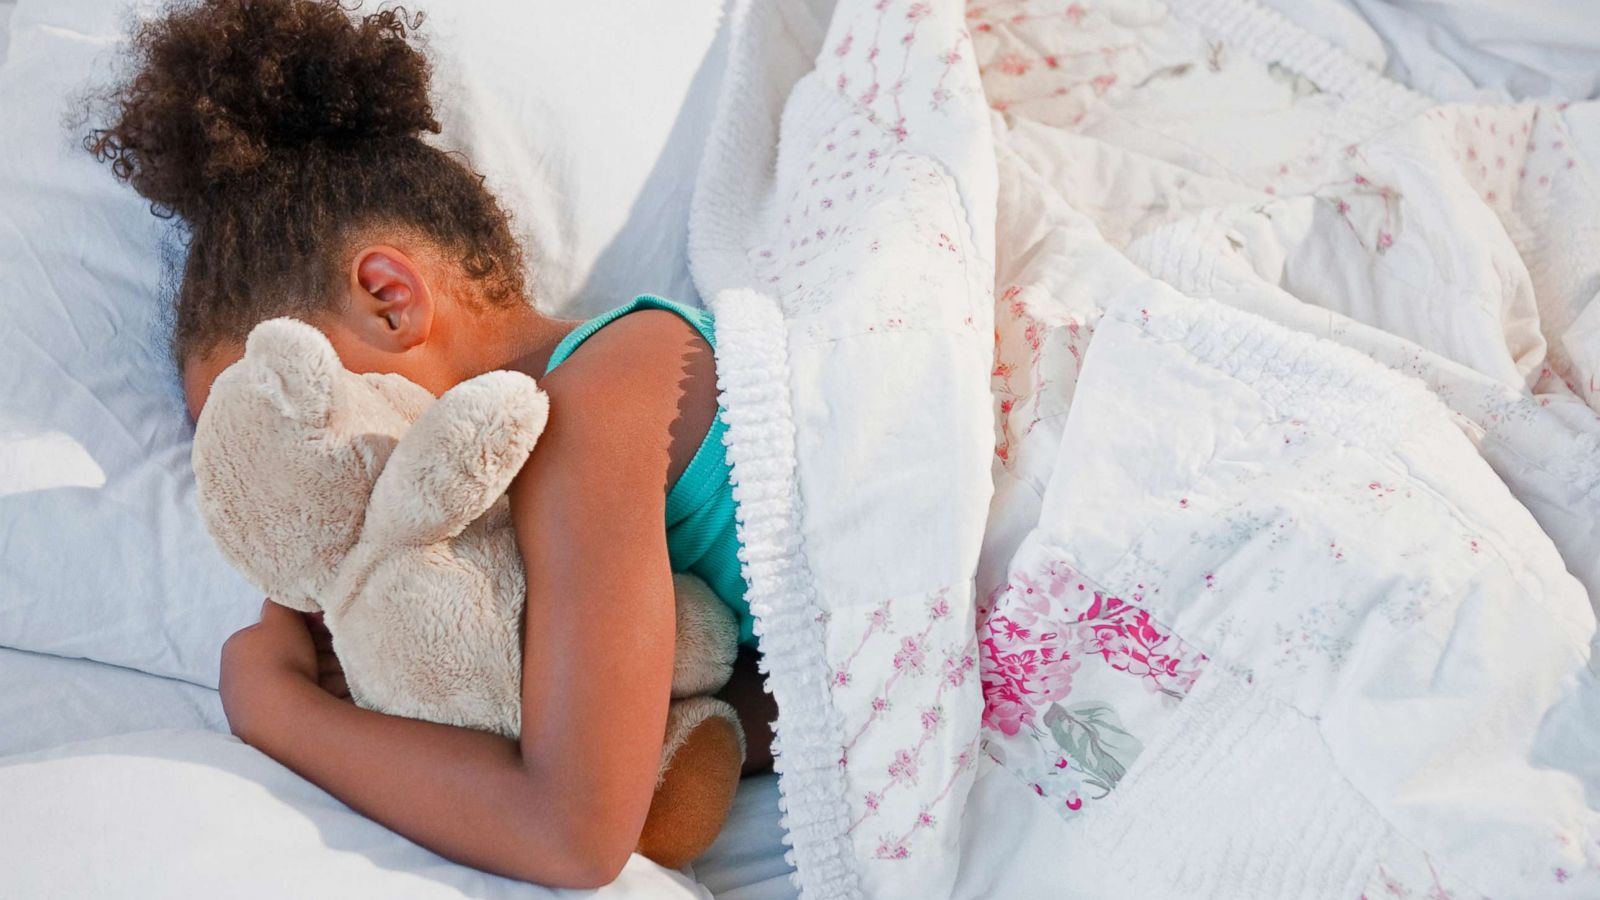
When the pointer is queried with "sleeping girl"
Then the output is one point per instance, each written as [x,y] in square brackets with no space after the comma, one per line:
[287,137]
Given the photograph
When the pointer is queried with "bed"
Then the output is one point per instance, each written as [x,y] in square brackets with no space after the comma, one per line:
[115,766]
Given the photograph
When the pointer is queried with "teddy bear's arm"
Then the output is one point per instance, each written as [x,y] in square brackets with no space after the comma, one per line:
[457,459]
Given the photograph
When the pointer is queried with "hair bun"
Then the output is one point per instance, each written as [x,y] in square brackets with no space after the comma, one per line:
[227,91]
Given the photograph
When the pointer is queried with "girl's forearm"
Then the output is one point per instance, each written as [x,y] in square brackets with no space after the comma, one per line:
[467,795]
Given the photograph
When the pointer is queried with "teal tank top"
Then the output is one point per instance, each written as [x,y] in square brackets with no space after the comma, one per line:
[702,536]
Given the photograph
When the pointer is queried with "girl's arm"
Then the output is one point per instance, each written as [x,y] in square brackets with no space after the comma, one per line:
[464,794]
[564,806]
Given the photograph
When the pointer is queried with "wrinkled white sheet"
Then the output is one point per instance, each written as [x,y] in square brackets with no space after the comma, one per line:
[1466,49]
[6,8]
[199,814]
[47,702]
[747,860]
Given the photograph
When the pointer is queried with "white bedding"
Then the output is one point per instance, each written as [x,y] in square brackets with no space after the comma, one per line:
[1466,49]
[1274,492]
[747,861]
[46,702]
[200,814]
[66,720]
[71,726]
[6,8]
[184,813]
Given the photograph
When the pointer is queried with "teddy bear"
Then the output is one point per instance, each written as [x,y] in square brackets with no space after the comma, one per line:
[367,499]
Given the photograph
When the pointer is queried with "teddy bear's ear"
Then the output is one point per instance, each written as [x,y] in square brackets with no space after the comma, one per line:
[408,399]
[302,367]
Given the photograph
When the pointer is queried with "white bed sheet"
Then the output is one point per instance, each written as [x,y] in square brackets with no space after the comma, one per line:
[6,6]
[185,813]
[48,702]
[747,860]
[1460,50]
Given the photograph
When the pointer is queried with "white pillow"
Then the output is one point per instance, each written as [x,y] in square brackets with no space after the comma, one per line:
[588,120]
[199,814]
[586,117]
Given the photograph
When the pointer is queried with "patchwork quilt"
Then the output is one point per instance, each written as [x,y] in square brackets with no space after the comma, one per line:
[1168,455]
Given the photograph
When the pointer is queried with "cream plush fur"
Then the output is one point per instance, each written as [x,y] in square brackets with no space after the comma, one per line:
[364,497]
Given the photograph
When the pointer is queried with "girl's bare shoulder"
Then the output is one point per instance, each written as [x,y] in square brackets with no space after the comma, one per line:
[642,383]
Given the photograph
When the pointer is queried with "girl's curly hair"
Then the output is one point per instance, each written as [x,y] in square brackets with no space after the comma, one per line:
[277,130]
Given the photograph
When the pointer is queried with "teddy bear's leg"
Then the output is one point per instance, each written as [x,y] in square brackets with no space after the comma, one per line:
[700,763]
[707,639]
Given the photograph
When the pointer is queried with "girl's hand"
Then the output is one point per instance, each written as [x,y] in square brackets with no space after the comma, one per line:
[259,661]
[330,672]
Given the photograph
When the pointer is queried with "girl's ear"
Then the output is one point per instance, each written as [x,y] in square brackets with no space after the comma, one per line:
[391,306]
